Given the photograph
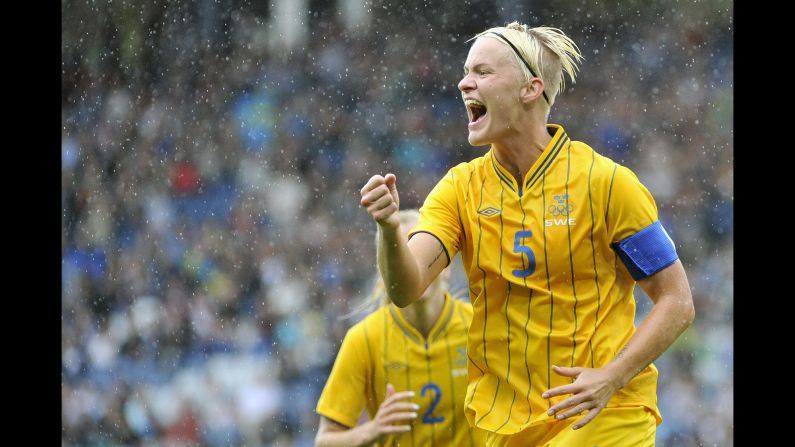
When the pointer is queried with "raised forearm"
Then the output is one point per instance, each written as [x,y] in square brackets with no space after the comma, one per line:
[398,267]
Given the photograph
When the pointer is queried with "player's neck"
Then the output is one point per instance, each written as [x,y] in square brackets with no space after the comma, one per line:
[519,151]
[424,313]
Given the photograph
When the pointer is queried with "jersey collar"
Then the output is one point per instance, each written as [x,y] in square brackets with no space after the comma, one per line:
[436,330]
[550,153]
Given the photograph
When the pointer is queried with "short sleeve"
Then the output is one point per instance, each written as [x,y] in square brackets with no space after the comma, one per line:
[439,216]
[630,206]
[344,396]
[633,227]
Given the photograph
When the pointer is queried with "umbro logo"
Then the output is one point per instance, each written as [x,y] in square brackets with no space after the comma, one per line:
[396,366]
[488,212]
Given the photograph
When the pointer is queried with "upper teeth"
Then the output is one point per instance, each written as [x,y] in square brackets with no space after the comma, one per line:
[474,102]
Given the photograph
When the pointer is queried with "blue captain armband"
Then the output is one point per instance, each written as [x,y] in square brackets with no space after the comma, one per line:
[647,252]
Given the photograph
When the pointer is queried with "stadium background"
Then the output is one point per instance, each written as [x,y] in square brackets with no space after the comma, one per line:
[212,154]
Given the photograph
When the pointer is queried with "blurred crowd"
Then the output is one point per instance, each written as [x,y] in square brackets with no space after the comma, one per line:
[211,229]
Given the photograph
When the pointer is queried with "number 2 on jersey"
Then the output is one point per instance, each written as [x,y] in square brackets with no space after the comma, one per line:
[519,248]
[428,417]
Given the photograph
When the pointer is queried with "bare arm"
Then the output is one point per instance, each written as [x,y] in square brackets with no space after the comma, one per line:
[333,434]
[395,408]
[407,267]
[671,314]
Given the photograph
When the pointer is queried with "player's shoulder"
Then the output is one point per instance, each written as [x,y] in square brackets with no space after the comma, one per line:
[464,169]
[463,306]
[587,153]
[602,169]
[463,310]
[371,326]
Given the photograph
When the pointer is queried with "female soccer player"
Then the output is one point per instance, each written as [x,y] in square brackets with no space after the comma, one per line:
[407,367]
[553,237]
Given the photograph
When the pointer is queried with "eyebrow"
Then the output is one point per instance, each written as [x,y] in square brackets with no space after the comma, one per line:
[476,66]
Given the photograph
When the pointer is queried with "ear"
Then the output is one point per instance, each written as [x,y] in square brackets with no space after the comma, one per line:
[532,90]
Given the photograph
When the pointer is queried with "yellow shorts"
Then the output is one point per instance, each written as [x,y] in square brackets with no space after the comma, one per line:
[619,427]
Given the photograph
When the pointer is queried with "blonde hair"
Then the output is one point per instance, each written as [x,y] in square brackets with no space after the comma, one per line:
[377,297]
[548,51]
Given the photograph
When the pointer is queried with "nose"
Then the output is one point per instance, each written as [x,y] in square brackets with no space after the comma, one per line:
[466,83]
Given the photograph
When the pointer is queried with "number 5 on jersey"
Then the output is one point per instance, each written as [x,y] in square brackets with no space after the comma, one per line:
[519,248]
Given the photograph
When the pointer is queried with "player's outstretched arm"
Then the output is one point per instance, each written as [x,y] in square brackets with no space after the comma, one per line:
[396,408]
[407,267]
[671,314]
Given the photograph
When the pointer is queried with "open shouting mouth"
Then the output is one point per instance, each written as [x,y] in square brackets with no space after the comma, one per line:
[476,110]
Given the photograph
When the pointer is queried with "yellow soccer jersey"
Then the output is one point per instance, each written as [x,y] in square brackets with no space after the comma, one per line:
[546,286]
[383,348]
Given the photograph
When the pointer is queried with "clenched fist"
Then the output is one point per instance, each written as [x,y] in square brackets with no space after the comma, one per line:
[380,198]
